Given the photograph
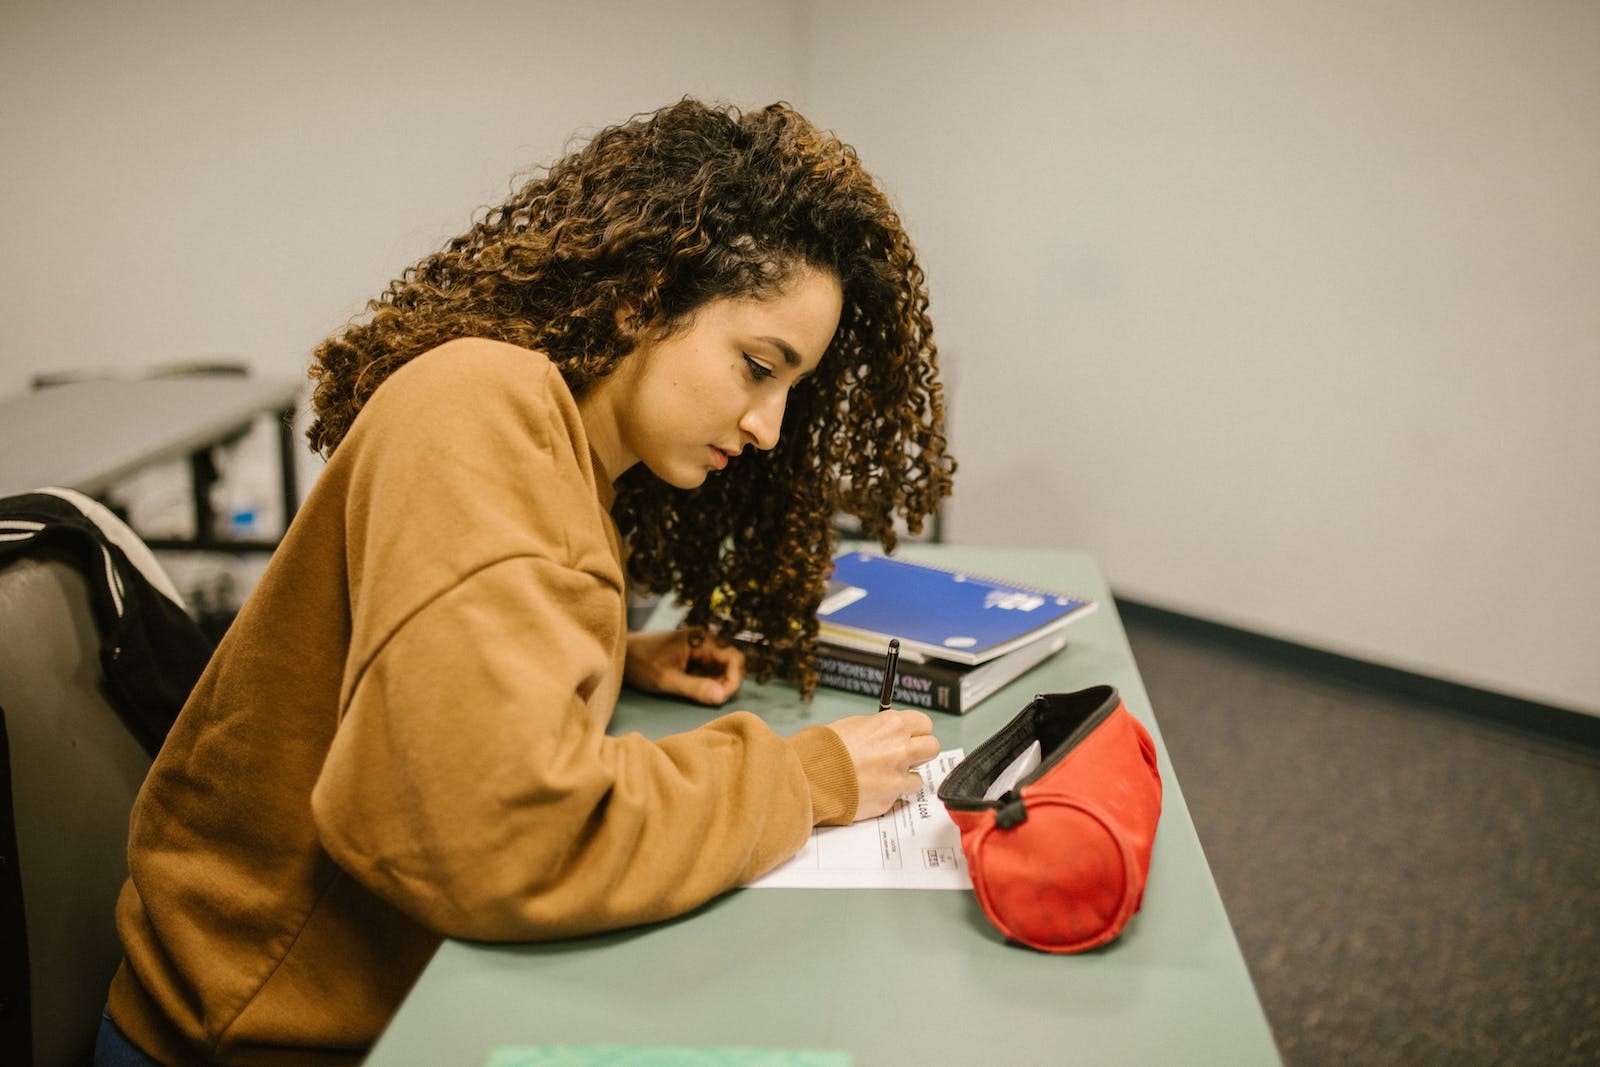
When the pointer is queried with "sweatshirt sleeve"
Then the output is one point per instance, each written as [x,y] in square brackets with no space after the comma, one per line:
[472,785]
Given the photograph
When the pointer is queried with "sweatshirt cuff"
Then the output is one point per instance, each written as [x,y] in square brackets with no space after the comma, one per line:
[829,771]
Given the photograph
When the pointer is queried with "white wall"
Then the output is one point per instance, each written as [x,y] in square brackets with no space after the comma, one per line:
[193,178]
[196,177]
[1286,312]
[1290,313]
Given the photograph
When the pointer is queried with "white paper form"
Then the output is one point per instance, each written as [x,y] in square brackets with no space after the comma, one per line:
[913,845]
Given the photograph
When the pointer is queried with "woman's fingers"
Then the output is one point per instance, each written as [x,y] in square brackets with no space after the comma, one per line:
[923,749]
[885,748]
[680,663]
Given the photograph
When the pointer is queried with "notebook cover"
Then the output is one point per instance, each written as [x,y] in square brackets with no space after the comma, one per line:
[941,613]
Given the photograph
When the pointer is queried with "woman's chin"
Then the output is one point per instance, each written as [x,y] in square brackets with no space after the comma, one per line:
[682,477]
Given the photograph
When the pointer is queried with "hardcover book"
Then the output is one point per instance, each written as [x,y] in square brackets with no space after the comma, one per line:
[930,684]
[938,613]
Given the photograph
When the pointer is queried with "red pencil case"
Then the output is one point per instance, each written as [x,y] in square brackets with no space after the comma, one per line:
[1059,859]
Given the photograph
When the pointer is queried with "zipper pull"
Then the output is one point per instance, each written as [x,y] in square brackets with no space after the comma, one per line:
[1010,810]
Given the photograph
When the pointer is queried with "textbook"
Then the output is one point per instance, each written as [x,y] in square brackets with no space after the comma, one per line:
[930,684]
[936,612]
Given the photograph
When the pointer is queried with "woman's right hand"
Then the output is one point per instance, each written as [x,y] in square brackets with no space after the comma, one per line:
[885,747]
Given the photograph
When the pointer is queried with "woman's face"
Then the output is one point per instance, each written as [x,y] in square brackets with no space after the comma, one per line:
[686,405]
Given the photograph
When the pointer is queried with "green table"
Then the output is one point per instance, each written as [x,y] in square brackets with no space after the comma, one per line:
[888,976]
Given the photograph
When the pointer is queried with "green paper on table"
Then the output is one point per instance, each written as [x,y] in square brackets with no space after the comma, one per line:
[659,1056]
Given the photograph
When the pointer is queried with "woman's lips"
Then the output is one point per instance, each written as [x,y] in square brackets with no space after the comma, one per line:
[719,458]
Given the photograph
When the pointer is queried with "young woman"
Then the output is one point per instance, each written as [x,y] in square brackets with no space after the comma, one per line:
[675,356]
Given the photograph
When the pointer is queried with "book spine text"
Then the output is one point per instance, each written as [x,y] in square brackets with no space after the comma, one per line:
[912,687]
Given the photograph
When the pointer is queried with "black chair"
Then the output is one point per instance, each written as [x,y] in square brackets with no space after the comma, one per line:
[74,769]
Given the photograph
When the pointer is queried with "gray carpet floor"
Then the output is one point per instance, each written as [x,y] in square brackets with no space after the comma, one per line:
[1409,885]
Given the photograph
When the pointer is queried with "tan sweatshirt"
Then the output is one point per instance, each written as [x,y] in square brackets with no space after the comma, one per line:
[402,738]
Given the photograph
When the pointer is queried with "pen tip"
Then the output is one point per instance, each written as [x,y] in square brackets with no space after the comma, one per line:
[894,642]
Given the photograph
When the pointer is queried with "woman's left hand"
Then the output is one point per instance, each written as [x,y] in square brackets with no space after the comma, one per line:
[666,662]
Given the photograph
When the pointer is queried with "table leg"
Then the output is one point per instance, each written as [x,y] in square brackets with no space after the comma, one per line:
[286,464]
[202,476]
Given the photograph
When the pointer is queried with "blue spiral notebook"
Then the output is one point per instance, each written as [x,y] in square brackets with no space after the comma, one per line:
[936,612]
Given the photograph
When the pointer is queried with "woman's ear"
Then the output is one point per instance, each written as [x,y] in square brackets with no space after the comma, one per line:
[641,326]
[628,326]
[636,327]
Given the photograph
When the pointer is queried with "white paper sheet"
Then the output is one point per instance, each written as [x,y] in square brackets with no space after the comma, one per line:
[1019,768]
[913,845]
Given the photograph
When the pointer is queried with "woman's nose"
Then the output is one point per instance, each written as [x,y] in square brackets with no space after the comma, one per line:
[762,422]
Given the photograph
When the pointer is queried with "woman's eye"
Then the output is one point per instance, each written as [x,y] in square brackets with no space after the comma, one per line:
[758,371]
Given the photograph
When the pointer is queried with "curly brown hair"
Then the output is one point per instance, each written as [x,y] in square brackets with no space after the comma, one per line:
[629,236]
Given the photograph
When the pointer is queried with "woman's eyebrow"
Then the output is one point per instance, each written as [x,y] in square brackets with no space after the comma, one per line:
[790,356]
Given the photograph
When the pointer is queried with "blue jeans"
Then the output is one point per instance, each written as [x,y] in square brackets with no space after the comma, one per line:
[113,1049]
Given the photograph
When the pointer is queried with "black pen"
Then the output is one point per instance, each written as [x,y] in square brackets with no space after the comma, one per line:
[890,662]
